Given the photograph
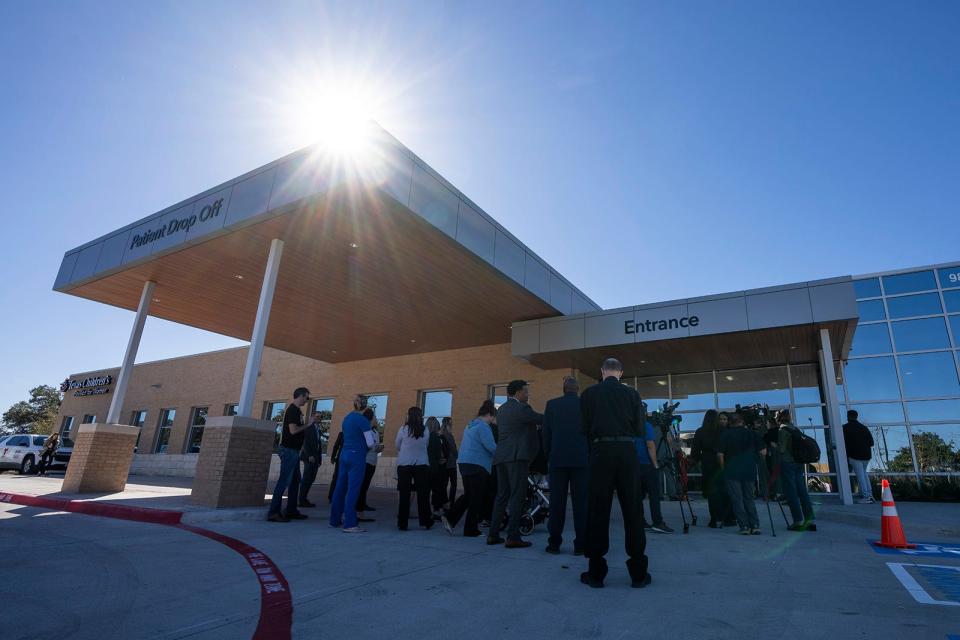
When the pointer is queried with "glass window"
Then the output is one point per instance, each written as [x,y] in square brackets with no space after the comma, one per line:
[950,277]
[891,450]
[654,391]
[929,375]
[937,448]
[952,300]
[877,412]
[925,304]
[871,339]
[66,427]
[498,393]
[955,329]
[137,418]
[916,335]
[871,379]
[323,406]
[691,421]
[930,410]
[196,429]
[841,388]
[806,383]
[18,441]
[231,409]
[378,402]
[693,391]
[167,416]
[869,288]
[870,310]
[273,411]
[909,282]
[39,440]
[809,416]
[89,418]
[750,386]
[438,404]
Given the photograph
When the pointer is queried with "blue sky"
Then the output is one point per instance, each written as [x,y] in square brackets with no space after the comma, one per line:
[648,151]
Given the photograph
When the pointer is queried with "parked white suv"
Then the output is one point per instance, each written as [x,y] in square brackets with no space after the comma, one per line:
[22,453]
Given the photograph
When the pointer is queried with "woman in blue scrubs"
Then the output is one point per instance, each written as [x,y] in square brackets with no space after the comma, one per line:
[358,438]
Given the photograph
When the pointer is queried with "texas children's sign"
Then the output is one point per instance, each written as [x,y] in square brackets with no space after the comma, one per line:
[92,386]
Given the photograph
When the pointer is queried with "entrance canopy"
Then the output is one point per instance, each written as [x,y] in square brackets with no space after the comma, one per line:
[382,257]
[755,328]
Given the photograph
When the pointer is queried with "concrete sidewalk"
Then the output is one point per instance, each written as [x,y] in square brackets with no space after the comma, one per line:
[118,579]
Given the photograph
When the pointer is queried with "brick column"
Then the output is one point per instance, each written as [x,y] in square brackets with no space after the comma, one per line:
[100,462]
[234,462]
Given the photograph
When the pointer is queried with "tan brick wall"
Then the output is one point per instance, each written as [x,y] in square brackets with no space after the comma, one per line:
[232,466]
[100,462]
[213,380]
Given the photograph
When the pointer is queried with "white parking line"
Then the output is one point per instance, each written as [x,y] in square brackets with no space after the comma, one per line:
[913,587]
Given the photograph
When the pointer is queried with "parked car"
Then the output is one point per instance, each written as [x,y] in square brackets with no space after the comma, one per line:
[22,453]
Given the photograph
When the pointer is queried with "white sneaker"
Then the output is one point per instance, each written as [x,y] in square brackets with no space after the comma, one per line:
[868,500]
[353,530]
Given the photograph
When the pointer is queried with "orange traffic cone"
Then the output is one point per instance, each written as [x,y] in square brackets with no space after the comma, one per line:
[891,531]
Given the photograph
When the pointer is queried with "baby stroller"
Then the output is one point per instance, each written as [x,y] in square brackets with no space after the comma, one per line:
[536,506]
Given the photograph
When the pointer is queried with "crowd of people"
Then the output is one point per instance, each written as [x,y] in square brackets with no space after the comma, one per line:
[591,445]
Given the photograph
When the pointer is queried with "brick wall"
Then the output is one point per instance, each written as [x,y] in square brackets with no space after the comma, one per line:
[100,460]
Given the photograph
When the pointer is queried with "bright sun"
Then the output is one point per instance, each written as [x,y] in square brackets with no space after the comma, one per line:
[338,118]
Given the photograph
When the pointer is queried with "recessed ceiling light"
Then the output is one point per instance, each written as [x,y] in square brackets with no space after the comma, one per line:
[238,276]
[354,245]
[156,299]
[792,348]
[412,340]
[774,382]
[643,362]
[730,378]
[333,351]
[662,383]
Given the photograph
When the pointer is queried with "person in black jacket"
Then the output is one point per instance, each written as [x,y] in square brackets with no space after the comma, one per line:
[706,445]
[613,417]
[567,453]
[311,458]
[859,442]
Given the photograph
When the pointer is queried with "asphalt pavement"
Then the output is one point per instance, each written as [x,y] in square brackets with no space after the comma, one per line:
[69,575]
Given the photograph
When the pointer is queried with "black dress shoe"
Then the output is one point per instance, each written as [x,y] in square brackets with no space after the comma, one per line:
[297,516]
[277,517]
[367,507]
[641,583]
[590,581]
[305,503]
[553,549]
[359,519]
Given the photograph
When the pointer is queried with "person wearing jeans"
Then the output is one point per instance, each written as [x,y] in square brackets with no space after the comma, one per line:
[291,441]
[794,484]
[859,443]
[737,455]
[358,438]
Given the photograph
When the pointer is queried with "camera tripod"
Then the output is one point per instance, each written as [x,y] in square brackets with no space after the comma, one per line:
[677,465]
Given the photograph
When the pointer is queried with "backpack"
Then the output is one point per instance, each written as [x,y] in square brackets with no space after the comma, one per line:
[803,448]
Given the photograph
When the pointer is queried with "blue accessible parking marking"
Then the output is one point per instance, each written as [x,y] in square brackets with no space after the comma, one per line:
[944,582]
[923,549]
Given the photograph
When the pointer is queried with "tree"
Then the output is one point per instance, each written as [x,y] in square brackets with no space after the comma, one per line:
[35,415]
[933,454]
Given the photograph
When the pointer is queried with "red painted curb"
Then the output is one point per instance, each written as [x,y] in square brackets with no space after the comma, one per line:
[276,604]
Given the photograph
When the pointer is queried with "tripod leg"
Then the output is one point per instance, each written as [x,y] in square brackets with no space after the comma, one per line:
[773,529]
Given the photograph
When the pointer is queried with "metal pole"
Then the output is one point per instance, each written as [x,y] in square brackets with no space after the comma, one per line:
[250,373]
[123,379]
[833,410]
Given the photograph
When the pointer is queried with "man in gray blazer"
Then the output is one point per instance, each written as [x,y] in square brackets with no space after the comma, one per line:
[310,456]
[518,445]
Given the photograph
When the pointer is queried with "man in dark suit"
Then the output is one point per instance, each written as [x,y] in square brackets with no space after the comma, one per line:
[517,446]
[613,417]
[567,455]
[310,456]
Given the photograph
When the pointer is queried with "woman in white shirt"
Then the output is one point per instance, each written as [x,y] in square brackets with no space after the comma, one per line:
[413,469]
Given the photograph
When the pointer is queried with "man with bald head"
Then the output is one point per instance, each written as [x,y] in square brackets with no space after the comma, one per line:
[567,457]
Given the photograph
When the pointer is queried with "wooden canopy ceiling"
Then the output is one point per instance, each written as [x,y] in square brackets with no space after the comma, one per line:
[759,348]
[361,277]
